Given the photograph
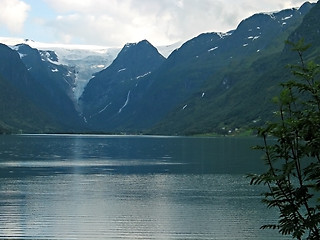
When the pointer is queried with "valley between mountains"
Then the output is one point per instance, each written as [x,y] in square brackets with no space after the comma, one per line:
[216,83]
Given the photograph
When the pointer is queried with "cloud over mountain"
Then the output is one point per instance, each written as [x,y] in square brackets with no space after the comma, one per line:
[13,14]
[115,22]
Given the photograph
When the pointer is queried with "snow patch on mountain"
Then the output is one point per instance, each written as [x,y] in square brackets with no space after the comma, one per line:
[286,18]
[16,48]
[212,49]
[102,110]
[121,70]
[126,103]
[143,75]
[223,35]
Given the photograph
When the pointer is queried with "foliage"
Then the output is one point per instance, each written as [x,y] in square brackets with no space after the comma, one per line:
[292,153]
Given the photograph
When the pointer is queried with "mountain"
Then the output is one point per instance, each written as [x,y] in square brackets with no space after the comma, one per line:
[166,50]
[215,82]
[238,96]
[85,60]
[57,81]
[197,89]
[309,30]
[17,91]
[106,96]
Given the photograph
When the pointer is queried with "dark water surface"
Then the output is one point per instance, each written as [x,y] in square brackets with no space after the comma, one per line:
[130,187]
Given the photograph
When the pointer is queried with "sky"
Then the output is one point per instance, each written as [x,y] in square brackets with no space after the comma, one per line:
[117,22]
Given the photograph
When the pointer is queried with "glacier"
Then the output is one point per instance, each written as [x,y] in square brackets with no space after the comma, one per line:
[85,59]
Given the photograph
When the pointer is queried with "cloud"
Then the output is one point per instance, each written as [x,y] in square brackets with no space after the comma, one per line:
[113,22]
[13,14]
[116,22]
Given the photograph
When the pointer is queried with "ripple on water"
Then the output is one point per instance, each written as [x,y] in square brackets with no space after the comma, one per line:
[117,206]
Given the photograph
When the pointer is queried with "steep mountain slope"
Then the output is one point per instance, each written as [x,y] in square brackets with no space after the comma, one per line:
[309,30]
[106,96]
[17,90]
[242,97]
[57,81]
[201,68]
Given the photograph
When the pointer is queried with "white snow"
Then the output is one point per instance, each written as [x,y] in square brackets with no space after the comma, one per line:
[98,66]
[85,62]
[271,14]
[22,55]
[286,18]
[102,110]
[223,35]
[121,70]
[127,45]
[16,48]
[212,49]
[141,76]
[126,103]
[47,55]
[253,38]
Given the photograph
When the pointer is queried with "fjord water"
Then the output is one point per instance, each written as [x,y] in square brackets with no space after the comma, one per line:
[130,187]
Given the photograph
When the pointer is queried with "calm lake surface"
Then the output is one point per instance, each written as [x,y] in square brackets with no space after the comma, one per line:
[130,187]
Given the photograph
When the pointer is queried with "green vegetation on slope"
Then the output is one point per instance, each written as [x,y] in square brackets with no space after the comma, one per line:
[19,114]
[293,160]
[238,96]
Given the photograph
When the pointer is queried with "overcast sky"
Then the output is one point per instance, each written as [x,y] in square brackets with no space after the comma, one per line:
[116,22]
